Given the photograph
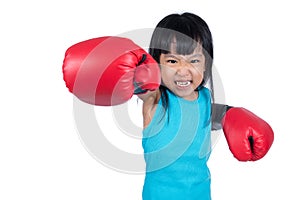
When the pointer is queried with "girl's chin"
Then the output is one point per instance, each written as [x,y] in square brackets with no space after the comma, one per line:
[186,93]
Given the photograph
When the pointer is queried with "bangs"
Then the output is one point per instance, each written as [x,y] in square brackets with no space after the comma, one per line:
[166,39]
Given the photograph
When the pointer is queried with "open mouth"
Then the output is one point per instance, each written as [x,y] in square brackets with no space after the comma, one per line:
[183,83]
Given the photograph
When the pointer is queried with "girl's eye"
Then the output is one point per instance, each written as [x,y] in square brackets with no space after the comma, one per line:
[171,61]
[195,61]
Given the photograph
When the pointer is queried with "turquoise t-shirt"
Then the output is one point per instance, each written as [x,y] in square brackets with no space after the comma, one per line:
[177,145]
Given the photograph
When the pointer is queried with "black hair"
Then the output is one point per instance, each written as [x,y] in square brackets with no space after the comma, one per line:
[188,30]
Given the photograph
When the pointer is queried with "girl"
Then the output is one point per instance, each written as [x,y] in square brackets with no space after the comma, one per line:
[177,92]
[176,135]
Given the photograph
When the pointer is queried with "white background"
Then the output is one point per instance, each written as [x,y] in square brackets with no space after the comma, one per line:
[256,53]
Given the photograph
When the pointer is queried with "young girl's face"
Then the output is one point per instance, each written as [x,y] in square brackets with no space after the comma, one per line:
[182,74]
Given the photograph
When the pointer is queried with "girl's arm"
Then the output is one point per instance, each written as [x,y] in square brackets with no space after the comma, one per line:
[150,100]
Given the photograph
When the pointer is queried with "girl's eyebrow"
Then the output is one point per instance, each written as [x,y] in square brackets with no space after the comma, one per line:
[196,55]
[170,55]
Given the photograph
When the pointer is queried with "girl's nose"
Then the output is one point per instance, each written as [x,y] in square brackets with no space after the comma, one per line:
[184,69]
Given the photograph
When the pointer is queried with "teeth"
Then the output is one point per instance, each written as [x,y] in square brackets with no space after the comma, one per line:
[183,83]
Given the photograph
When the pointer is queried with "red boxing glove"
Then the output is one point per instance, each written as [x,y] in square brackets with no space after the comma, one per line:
[248,136]
[107,71]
